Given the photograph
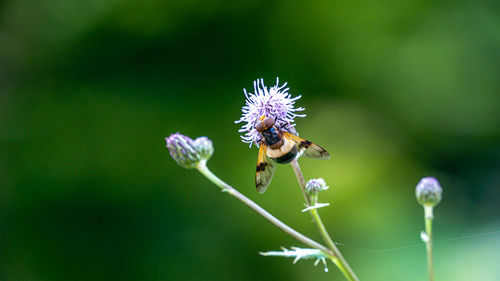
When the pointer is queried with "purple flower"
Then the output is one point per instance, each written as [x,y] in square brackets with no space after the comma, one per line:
[314,186]
[274,102]
[188,153]
[428,191]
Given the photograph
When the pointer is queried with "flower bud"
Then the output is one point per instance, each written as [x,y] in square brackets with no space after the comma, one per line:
[428,192]
[204,147]
[314,186]
[182,150]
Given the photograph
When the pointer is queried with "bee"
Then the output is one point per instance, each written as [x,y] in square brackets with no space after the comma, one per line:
[280,147]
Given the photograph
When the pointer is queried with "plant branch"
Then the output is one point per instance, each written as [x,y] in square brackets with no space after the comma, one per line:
[428,243]
[301,180]
[202,167]
[337,258]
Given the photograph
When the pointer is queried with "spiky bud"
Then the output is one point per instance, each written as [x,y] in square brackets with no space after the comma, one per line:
[313,186]
[428,192]
[204,147]
[183,150]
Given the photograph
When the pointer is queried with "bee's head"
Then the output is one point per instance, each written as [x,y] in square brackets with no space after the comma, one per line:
[264,123]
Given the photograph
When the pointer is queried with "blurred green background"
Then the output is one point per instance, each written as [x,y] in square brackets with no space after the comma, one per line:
[395,90]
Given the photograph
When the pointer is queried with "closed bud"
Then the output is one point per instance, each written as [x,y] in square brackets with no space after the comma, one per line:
[204,147]
[182,150]
[428,192]
[313,186]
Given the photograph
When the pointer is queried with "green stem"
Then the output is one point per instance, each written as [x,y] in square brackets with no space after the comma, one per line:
[428,244]
[337,257]
[202,167]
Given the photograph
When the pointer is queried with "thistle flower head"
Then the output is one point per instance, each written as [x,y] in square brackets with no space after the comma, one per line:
[204,147]
[273,102]
[188,153]
[428,192]
[314,186]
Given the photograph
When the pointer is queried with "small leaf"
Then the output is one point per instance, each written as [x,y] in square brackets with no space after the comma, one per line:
[298,254]
[316,206]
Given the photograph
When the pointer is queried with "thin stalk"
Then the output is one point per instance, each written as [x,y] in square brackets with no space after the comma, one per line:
[202,167]
[428,243]
[337,257]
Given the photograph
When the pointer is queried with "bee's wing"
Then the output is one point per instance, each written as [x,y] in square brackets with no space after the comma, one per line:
[309,149]
[265,170]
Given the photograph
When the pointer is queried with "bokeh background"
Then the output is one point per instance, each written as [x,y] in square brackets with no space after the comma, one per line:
[395,90]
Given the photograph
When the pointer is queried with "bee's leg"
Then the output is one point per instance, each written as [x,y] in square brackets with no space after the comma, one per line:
[255,123]
[277,118]
[284,125]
